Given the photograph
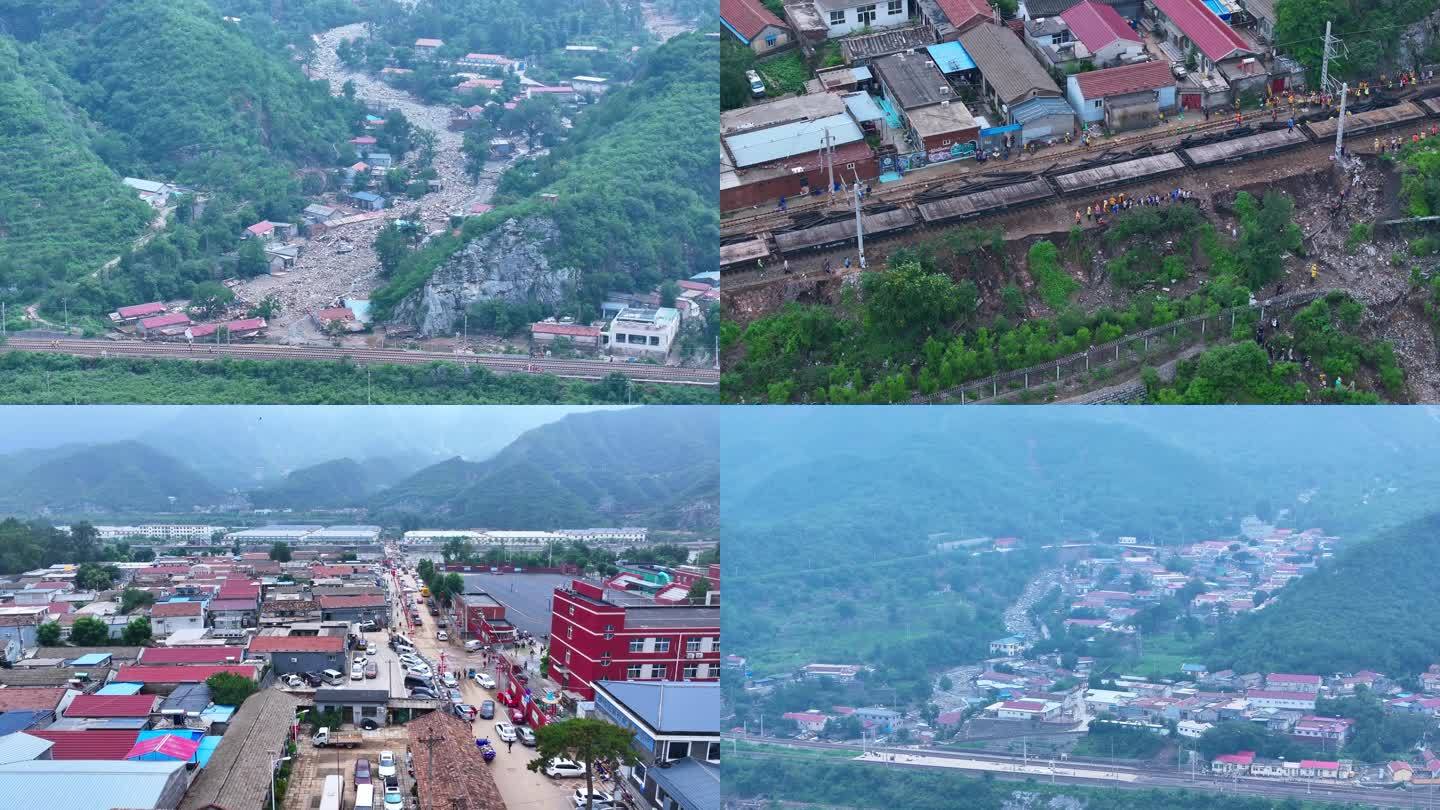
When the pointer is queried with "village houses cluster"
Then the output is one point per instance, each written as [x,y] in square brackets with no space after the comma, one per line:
[929,81]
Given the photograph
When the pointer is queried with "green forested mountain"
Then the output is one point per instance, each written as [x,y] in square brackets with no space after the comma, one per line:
[124,476]
[1368,609]
[158,89]
[637,183]
[61,208]
[652,467]
[331,484]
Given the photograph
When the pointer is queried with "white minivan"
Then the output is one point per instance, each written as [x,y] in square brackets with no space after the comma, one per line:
[364,797]
[334,677]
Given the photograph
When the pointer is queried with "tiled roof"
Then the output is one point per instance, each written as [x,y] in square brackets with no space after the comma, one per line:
[1210,34]
[29,698]
[140,310]
[568,329]
[747,17]
[100,744]
[179,673]
[274,644]
[111,706]
[238,775]
[1007,64]
[1118,81]
[175,609]
[965,13]
[1097,25]
[459,773]
[190,655]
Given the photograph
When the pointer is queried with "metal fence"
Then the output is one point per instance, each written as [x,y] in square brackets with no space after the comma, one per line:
[1126,352]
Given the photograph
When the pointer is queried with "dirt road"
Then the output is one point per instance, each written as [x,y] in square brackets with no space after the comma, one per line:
[342,263]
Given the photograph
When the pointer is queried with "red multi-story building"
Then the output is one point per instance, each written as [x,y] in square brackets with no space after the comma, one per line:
[618,636]
[687,575]
[481,617]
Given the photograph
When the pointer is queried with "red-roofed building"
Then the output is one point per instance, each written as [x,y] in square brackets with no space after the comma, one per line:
[1026,709]
[1399,771]
[1323,768]
[171,323]
[1237,763]
[1273,699]
[263,229]
[754,25]
[1286,682]
[267,645]
[1124,97]
[167,617]
[151,656]
[363,140]
[98,744]
[1103,32]
[30,698]
[177,674]
[1190,23]
[813,721]
[354,609]
[340,318]
[958,16]
[544,334]
[1329,729]
[138,311]
[243,328]
[112,706]
[426,45]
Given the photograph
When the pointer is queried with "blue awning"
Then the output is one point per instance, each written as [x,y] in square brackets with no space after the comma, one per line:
[990,131]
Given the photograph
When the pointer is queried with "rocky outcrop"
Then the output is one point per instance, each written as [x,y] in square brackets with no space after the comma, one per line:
[508,263]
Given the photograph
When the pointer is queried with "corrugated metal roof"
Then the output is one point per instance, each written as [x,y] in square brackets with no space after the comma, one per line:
[951,57]
[1208,32]
[22,747]
[863,107]
[789,140]
[695,784]
[1097,25]
[107,744]
[50,785]
[670,707]
[111,706]
[1124,79]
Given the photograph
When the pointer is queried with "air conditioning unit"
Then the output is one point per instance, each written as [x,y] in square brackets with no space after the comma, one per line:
[693,655]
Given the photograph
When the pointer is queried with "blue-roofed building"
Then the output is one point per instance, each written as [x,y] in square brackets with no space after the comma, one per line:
[951,58]
[92,660]
[778,149]
[11,722]
[367,200]
[120,688]
[80,784]
[675,723]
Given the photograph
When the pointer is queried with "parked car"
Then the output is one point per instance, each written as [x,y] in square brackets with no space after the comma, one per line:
[369,724]
[362,771]
[483,680]
[505,731]
[517,716]
[372,671]
[757,85]
[455,696]
[368,626]
[561,767]
[357,672]
[393,799]
[527,736]
[370,647]
[601,799]
[313,678]
[387,763]
[450,681]
[441,635]
[360,659]
[422,694]
[465,711]
[419,669]
[293,681]
[487,710]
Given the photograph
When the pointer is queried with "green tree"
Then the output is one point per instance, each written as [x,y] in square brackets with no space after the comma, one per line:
[1266,234]
[137,632]
[280,552]
[697,591]
[230,689]
[908,302]
[92,577]
[132,598]
[210,298]
[251,261]
[88,631]
[669,291]
[391,247]
[582,740]
[268,307]
[48,634]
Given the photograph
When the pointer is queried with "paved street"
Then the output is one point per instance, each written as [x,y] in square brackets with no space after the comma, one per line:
[520,787]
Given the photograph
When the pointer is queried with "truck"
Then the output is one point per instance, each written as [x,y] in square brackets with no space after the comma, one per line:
[327,738]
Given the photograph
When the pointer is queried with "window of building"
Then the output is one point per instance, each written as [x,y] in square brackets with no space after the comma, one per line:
[367,711]
[712,752]
[604,659]
[662,645]
[654,340]
[609,632]
[837,17]
[692,645]
[896,7]
[570,631]
[572,610]
[567,657]
[770,41]
[678,750]
[637,774]
[633,671]
[637,645]
[865,14]
[850,166]
[692,670]
[945,142]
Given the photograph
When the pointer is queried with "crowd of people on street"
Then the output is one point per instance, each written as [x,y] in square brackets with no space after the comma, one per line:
[1120,202]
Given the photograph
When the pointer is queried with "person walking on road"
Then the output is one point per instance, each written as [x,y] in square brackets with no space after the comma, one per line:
[509,746]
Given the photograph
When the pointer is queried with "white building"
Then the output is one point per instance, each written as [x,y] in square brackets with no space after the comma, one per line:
[642,332]
[628,534]
[842,17]
[340,535]
[272,534]
[160,531]
[427,537]
[170,617]
[508,538]
[1025,709]
[590,84]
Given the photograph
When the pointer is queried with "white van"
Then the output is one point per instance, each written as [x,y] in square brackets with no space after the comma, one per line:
[364,797]
[334,677]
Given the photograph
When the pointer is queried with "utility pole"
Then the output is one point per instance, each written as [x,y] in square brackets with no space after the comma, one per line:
[859,226]
[829,162]
[1325,60]
[430,763]
[1340,128]
[65,302]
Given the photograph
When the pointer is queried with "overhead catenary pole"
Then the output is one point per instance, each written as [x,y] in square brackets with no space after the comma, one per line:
[829,161]
[1340,128]
[1325,61]
[859,227]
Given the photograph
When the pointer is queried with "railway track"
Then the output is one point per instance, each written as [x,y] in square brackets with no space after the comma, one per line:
[569,369]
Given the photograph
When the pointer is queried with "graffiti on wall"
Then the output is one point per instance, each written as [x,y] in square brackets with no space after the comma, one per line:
[911,161]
